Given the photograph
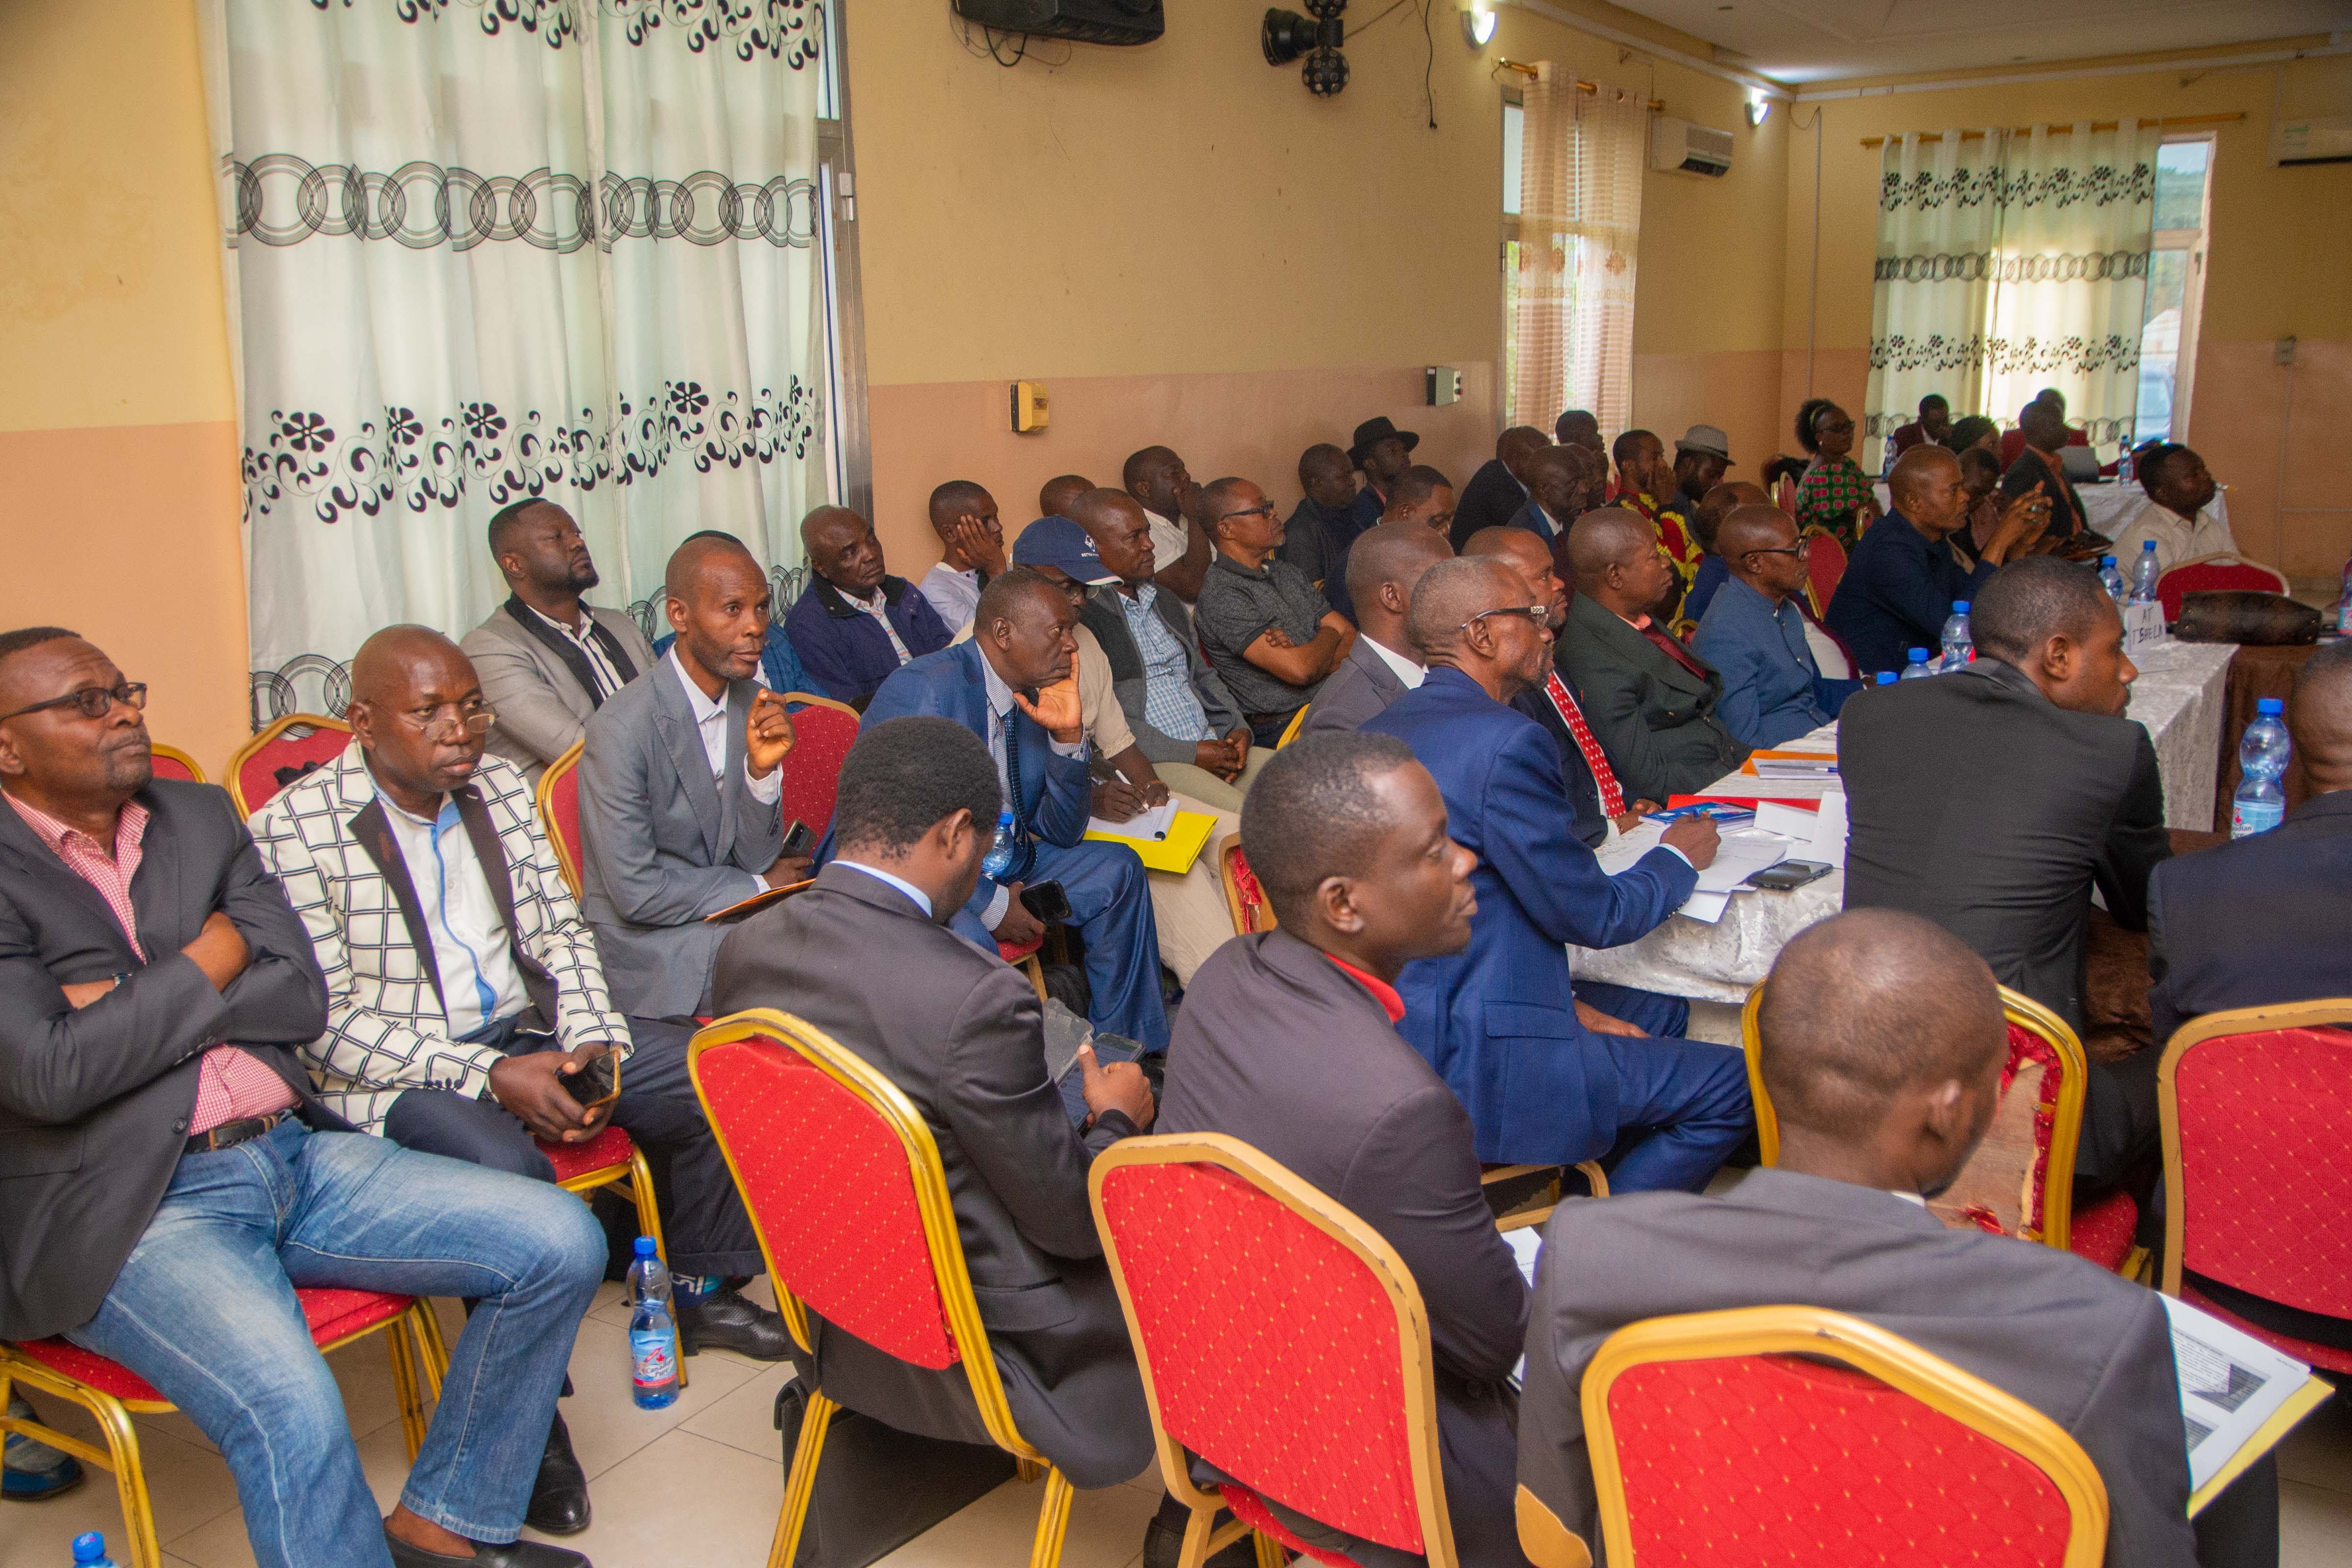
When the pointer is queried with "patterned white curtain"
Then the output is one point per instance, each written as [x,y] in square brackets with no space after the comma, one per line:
[1581,161]
[490,249]
[2008,262]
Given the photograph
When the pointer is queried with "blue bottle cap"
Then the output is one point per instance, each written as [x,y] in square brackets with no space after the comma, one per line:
[1886,678]
[1919,655]
[2269,705]
[2147,546]
[1004,819]
[89,1547]
[646,1247]
[1959,607]
[2107,560]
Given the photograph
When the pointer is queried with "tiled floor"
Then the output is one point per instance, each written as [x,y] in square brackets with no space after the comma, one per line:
[701,1480]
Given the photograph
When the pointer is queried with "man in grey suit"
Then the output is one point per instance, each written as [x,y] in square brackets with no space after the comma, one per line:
[1650,700]
[547,659]
[679,787]
[1883,1046]
[960,1033]
[1383,564]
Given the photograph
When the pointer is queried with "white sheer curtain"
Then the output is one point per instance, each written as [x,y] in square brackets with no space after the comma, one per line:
[2011,261]
[491,249]
[1581,162]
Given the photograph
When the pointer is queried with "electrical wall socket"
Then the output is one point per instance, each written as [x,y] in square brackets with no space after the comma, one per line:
[1445,385]
[2283,351]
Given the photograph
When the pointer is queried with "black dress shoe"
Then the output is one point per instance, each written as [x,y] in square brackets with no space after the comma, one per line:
[1163,1539]
[511,1555]
[729,1320]
[559,1498]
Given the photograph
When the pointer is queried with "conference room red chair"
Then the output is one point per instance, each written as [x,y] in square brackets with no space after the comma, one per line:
[170,762]
[275,758]
[844,1185]
[112,1392]
[1281,1340]
[822,731]
[558,797]
[1723,1438]
[1824,568]
[2255,1102]
[2208,572]
[2019,1182]
[1244,900]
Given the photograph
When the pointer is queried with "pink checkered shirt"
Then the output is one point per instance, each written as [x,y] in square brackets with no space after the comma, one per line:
[231,1084]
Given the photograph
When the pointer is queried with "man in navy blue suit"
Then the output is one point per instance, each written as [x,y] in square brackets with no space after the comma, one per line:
[1552,1070]
[1015,686]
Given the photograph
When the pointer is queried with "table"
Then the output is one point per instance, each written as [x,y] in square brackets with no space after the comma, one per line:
[2255,673]
[2179,697]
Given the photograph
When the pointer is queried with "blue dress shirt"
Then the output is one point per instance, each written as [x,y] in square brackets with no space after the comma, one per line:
[1769,673]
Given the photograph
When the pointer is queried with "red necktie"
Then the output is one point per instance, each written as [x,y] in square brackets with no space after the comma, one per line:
[1612,799]
[1674,650]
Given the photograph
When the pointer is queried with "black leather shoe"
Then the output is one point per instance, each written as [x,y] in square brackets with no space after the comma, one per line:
[559,1498]
[511,1555]
[1163,1539]
[729,1320]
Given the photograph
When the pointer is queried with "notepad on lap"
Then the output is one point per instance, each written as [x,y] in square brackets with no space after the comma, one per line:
[1186,832]
[2239,1397]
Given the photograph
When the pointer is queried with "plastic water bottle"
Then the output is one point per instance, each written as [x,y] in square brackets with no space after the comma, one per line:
[2144,574]
[2126,467]
[2112,580]
[89,1551]
[2344,604]
[1886,678]
[1957,647]
[999,858]
[653,1331]
[2260,804]
[1918,668]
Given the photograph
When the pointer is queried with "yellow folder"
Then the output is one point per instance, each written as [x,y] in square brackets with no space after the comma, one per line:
[1175,853]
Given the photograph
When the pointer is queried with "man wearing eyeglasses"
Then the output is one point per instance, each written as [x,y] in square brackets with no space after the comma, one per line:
[467,1010]
[168,1176]
[1754,634]
[1266,630]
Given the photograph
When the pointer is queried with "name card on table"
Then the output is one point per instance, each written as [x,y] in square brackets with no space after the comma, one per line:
[2143,627]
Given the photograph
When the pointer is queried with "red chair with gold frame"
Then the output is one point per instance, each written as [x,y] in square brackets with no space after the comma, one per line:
[1722,1438]
[1281,1339]
[298,741]
[822,731]
[2206,572]
[1825,562]
[1244,900]
[844,1185]
[170,762]
[2008,1187]
[2255,1102]
[558,799]
[112,1392]
[1291,731]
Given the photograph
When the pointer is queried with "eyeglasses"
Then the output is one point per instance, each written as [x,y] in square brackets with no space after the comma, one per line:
[1268,509]
[1803,548]
[441,725]
[94,701]
[1539,613]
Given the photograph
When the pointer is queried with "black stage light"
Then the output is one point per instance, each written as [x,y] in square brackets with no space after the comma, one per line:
[1326,71]
[1287,36]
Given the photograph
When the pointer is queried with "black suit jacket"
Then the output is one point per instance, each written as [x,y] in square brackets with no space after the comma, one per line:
[1976,802]
[2246,922]
[1278,1046]
[1656,720]
[1488,500]
[2091,1352]
[95,1101]
[960,1033]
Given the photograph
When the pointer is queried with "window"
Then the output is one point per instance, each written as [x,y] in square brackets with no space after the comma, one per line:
[1514,116]
[2176,288]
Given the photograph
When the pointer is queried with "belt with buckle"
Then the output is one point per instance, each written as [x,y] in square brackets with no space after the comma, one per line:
[229,1134]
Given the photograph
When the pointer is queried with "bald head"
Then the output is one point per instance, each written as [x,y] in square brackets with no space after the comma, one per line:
[1577,428]
[705,554]
[1055,496]
[2319,716]
[1866,1010]
[1520,549]
[1454,592]
[418,712]
[398,661]
[1610,536]
[1716,504]
[2044,423]
[1385,564]
[1920,472]
[1751,528]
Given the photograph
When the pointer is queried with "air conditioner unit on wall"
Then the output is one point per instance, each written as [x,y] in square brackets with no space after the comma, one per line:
[2326,140]
[1087,21]
[1692,149]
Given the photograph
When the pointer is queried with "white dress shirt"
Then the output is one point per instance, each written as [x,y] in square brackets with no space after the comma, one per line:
[1412,674]
[1000,728]
[2177,538]
[1169,539]
[954,594]
[480,982]
[608,676]
[922,899]
[710,723]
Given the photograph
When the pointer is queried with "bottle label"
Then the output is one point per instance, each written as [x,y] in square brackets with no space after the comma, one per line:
[2250,817]
[653,1355]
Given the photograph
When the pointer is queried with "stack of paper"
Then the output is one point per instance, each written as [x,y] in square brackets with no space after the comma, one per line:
[2232,1384]
[1153,825]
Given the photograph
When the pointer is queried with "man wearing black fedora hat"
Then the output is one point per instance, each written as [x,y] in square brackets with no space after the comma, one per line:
[1383,452]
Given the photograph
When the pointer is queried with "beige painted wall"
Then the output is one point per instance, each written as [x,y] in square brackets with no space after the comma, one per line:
[2281,265]
[117,433]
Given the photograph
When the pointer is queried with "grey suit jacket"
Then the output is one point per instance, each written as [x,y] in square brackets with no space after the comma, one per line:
[1359,688]
[962,1035]
[541,697]
[2090,1351]
[663,844]
[1654,719]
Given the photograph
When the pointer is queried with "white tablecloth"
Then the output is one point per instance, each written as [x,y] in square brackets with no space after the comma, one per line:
[2179,697]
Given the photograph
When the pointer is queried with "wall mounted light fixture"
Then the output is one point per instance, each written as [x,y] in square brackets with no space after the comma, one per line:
[1286,36]
[1478,22]
[1759,106]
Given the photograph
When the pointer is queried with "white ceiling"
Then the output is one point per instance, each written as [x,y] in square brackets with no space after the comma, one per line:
[1809,40]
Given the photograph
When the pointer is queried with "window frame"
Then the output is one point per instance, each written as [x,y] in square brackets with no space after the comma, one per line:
[1505,294]
[2197,243]
[848,433]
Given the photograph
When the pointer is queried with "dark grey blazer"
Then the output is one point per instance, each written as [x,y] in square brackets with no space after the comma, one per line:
[1278,1046]
[2090,1351]
[1978,802]
[663,844]
[960,1033]
[94,1102]
[1359,688]
[1656,720]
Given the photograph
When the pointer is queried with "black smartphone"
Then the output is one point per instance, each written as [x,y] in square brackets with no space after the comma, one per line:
[1046,901]
[1789,874]
[598,1083]
[797,837]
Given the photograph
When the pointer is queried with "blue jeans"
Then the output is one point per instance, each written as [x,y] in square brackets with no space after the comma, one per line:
[205,1309]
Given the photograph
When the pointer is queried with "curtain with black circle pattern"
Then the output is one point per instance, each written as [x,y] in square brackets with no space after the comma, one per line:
[482,250]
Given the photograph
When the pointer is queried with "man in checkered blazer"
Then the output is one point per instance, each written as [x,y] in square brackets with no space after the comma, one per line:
[463,989]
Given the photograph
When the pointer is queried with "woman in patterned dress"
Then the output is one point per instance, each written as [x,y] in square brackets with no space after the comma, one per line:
[1834,494]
